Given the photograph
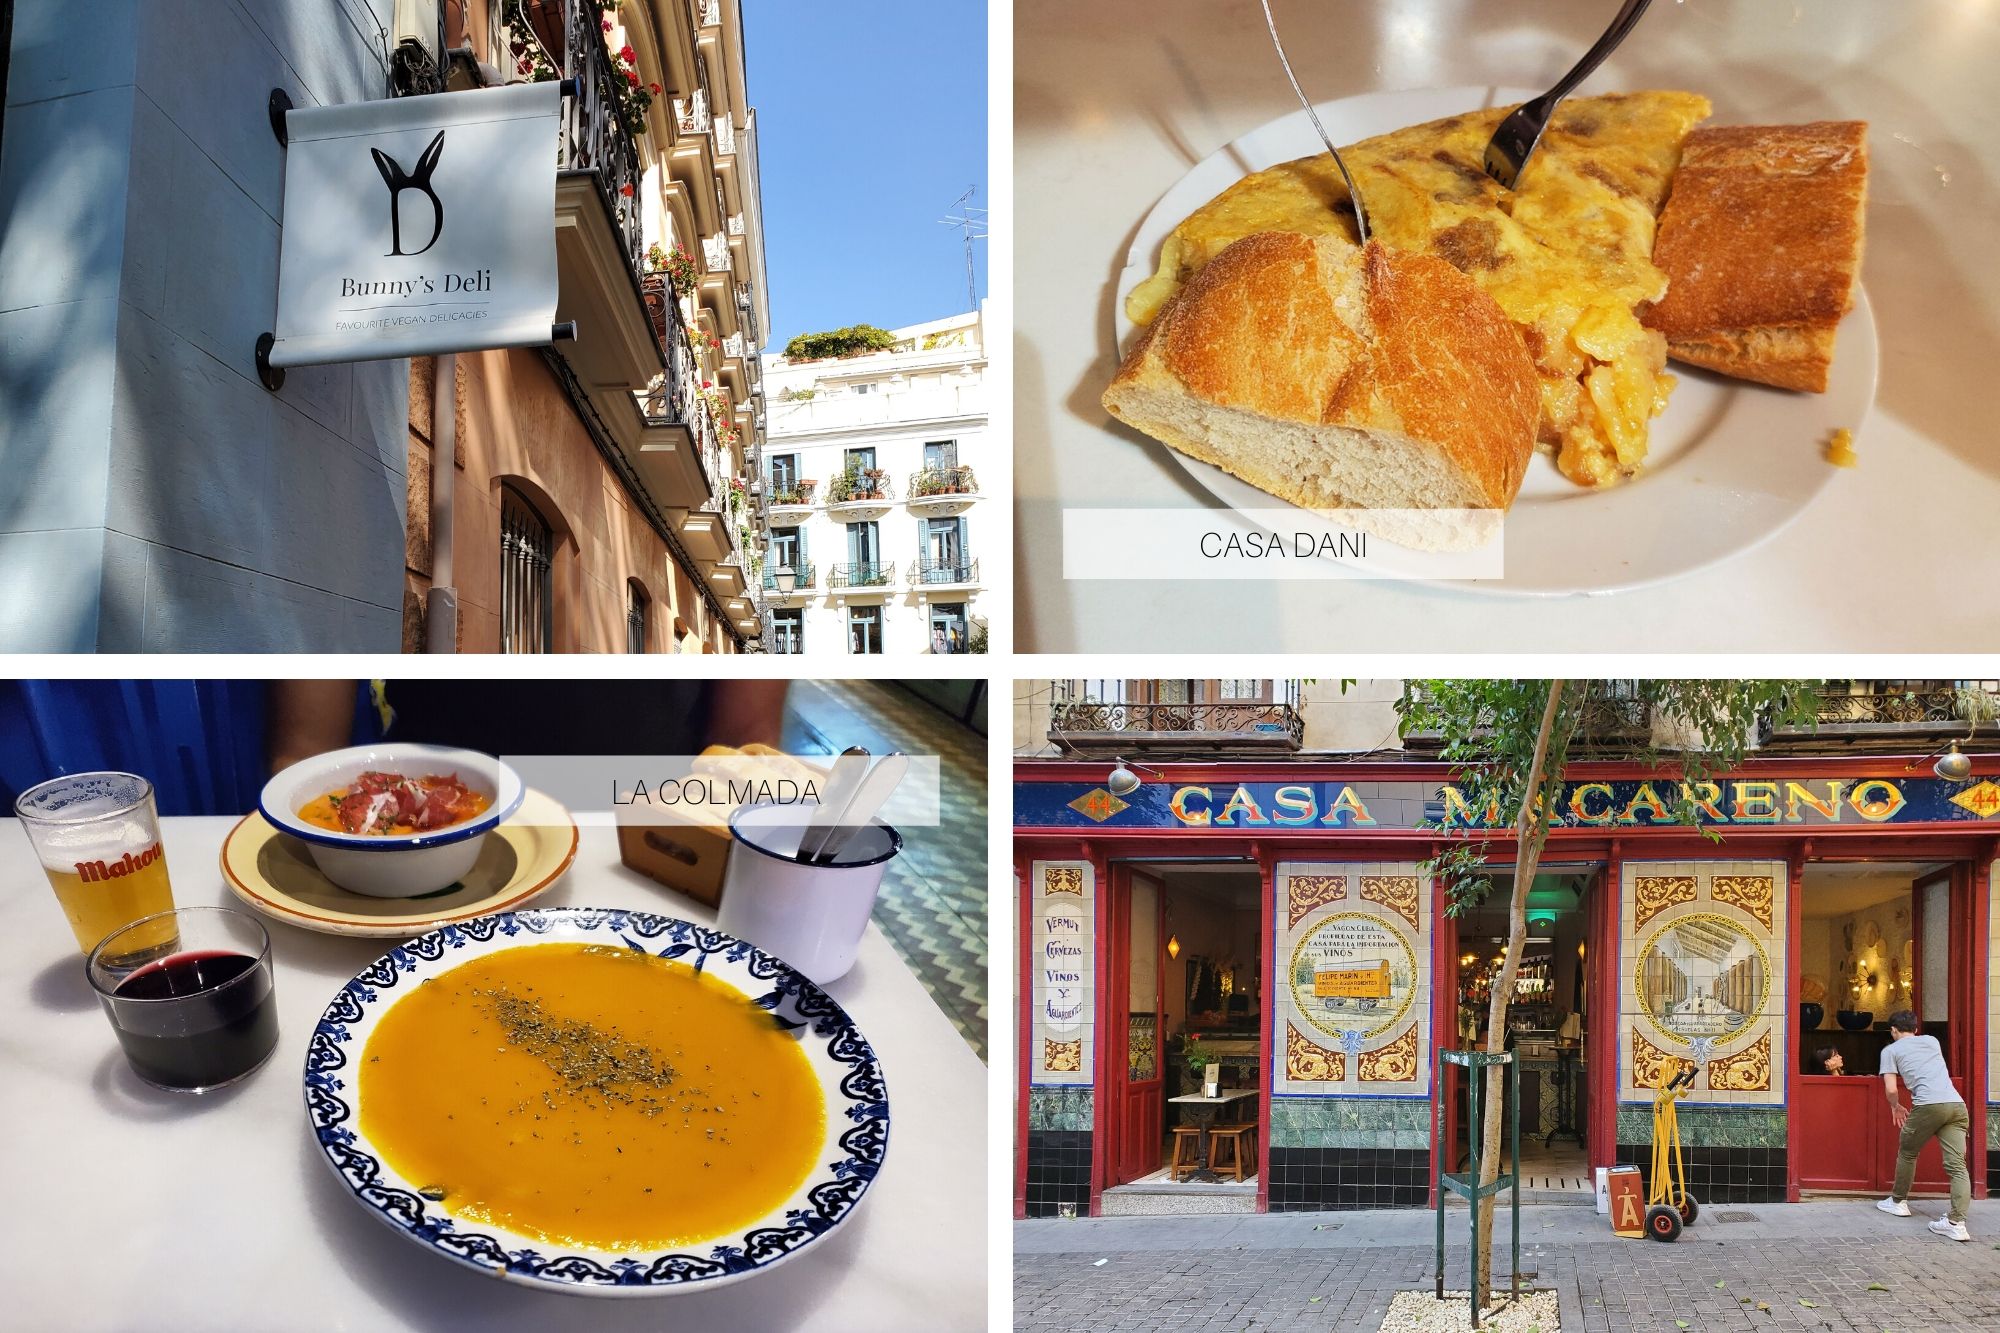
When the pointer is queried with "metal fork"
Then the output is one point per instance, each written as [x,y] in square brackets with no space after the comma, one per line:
[1514,142]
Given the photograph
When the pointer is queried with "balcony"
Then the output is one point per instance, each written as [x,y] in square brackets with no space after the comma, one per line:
[691,113]
[667,449]
[858,496]
[725,136]
[791,503]
[803,579]
[1895,716]
[930,574]
[708,13]
[736,227]
[1207,730]
[715,254]
[940,492]
[1616,722]
[862,579]
[598,233]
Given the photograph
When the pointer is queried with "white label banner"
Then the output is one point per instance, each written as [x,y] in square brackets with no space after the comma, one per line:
[419,225]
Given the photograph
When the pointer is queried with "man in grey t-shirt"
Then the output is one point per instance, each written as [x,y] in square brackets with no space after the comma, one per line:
[1935,1110]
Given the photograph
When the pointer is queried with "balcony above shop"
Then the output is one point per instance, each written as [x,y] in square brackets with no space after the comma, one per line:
[1615,722]
[597,222]
[1893,716]
[858,496]
[929,574]
[1226,729]
[865,579]
[801,578]
[940,492]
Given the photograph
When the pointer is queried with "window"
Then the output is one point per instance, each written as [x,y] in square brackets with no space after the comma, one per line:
[1255,691]
[864,555]
[866,387]
[784,473]
[860,459]
[949,630]
[787,551]
[636,604]
[526,590]
[944,551]
[940,454]
[864,629]
[788,630]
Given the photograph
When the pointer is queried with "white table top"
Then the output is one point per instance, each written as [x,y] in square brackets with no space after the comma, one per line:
[1221,1100]
[1115,101]
[127,1204]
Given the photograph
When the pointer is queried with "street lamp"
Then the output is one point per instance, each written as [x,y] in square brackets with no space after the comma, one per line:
[788,579]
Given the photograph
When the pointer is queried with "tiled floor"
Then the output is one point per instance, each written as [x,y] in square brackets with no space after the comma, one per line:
[933,901]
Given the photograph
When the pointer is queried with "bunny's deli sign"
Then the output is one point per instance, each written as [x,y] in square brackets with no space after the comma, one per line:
[1334,805]
[418,225]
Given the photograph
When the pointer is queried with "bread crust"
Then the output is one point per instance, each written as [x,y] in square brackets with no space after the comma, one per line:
[1761,241]
[1314,331]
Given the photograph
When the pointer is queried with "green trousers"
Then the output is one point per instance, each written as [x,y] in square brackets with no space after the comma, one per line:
[1949,1122]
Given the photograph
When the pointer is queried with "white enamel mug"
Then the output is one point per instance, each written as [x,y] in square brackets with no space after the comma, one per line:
[812,916]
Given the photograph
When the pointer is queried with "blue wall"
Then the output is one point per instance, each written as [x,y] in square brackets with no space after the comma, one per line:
[157,497]
[200,743]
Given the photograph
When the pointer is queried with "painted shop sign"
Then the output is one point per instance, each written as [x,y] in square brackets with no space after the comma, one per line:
[1748,802]
[418,225]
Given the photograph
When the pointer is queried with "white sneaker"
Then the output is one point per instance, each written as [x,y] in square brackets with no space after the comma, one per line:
[1951,1230]
[1896,1206]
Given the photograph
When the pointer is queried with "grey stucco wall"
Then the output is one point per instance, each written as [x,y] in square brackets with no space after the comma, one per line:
[153,495]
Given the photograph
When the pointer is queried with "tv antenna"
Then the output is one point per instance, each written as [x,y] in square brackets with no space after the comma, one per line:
[971,224]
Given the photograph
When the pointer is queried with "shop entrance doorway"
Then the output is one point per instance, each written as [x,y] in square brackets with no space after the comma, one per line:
[1185,996]
[1549,1023]
[1874,937]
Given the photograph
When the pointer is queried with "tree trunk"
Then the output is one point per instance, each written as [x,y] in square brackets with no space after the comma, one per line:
[1531,832]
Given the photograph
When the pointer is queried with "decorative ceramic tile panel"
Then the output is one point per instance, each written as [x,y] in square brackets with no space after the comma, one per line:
[1062,959]
[1353,979]
[1703,966]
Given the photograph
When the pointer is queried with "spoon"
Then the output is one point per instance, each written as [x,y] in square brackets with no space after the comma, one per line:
[1514,142]
[849,768]
[873,793]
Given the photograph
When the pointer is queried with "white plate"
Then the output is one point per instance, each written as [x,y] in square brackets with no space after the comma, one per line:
[850,1079]
[1730,463]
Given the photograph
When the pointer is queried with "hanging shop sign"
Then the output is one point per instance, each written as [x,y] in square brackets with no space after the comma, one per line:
[415,226]
[1323,805]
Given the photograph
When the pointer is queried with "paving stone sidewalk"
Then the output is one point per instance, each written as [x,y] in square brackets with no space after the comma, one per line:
[1774,1266]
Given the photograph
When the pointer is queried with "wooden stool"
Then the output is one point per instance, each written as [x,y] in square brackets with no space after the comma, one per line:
[1234,1136]
[1190,1135]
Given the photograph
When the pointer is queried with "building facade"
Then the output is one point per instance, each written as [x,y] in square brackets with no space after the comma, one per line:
[167,500]
[1273,909]
[872,490]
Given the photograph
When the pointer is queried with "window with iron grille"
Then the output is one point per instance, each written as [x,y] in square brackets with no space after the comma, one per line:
[636,604]
[527,601]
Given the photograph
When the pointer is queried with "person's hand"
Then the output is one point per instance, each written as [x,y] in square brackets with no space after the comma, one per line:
[1900,1114]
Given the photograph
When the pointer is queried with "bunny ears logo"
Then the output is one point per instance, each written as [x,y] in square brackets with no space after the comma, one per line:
[418,180]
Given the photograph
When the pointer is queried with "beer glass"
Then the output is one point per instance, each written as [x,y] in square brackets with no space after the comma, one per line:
[98,837]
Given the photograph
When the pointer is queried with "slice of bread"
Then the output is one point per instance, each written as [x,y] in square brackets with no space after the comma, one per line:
[1761,243]
[1338,378]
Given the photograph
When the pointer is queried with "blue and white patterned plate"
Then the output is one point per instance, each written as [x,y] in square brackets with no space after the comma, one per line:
[857,1105]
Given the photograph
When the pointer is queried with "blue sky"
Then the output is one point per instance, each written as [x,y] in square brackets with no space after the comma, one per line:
[871,120]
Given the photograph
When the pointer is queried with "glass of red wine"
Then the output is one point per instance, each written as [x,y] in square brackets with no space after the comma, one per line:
[193,1003]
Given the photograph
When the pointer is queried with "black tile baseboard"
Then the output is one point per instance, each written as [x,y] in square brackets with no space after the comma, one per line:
[1321,1179]
[1721,1175]
[1058,1171]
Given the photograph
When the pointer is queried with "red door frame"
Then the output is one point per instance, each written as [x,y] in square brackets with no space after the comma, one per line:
[1118,980]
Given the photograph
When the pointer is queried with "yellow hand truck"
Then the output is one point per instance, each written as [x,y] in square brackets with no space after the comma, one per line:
[1669,1207]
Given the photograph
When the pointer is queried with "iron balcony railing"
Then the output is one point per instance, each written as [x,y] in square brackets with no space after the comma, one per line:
[792,492]
[1614,719]
[691,113]
[1892,715]
[866,485]
[1189,720]
[943,481]
[715,253]
[940,569]
[804,577]
[594,138]
[862,574]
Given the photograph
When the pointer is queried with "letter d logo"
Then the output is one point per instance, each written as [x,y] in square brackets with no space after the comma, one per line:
[419,180]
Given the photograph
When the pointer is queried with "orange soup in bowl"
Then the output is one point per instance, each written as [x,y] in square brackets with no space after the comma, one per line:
[592,1096]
